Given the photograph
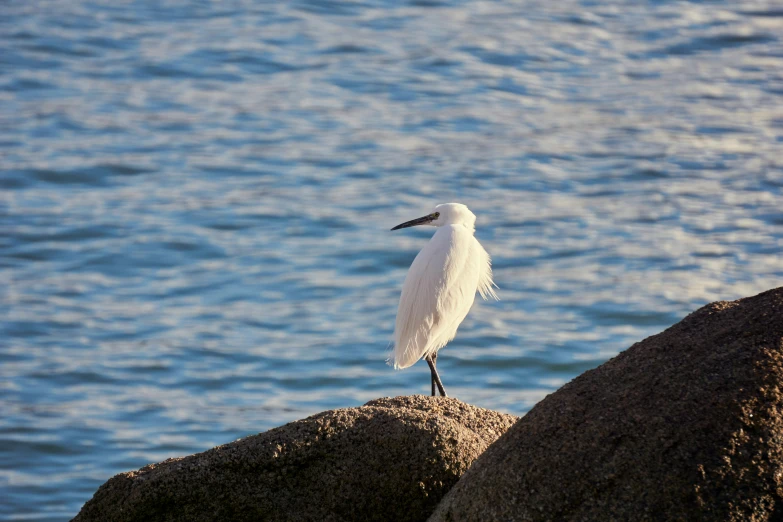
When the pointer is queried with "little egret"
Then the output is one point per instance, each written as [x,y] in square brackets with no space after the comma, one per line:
[440,288]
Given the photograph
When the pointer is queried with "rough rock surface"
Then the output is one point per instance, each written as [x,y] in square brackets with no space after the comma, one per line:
[685,425]
[391,459]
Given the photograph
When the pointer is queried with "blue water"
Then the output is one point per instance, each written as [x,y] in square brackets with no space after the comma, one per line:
[195,204]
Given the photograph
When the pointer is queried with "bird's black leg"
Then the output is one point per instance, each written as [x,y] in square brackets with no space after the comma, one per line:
[434,375]
[433,357]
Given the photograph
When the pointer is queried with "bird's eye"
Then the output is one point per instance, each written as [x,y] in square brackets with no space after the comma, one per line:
[436,215]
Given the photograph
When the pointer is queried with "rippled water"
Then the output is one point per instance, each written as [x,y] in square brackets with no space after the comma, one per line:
[195,203]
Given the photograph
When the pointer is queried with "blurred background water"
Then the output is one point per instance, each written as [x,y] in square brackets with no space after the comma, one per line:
[195,203]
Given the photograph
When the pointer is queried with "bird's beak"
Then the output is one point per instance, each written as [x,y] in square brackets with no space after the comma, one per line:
[419,221]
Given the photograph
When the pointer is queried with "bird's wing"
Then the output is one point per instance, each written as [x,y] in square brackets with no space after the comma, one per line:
[486,286]
[437,294]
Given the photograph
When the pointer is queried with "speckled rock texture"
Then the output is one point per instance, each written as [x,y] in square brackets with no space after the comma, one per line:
[683,426]
[391,459]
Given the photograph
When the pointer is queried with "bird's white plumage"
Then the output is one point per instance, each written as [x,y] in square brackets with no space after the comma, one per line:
[440,286]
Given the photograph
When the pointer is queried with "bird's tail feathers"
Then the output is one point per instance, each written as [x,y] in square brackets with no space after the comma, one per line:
[402,359]
[407,355]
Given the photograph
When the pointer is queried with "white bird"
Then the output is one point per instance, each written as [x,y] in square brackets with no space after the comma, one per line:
[440,288]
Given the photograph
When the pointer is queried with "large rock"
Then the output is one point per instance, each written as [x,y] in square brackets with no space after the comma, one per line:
[685,425]
[391,459]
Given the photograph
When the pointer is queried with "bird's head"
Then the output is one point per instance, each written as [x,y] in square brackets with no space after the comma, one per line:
[445,214]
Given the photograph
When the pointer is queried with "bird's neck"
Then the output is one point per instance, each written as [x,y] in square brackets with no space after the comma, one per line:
[458,226]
